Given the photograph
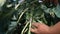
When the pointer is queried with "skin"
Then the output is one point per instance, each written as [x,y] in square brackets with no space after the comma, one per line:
[44,29]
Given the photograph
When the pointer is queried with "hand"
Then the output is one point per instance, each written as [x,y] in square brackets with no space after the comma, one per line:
[40,28]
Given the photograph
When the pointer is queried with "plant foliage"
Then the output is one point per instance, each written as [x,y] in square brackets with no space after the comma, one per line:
[16,16]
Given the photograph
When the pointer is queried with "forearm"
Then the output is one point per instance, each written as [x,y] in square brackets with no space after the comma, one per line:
[55,29]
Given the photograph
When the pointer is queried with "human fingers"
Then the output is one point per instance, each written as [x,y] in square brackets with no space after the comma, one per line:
[34,30]
[36,24]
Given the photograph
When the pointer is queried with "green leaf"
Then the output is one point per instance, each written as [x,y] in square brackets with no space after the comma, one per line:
[2,2]
[57,11]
